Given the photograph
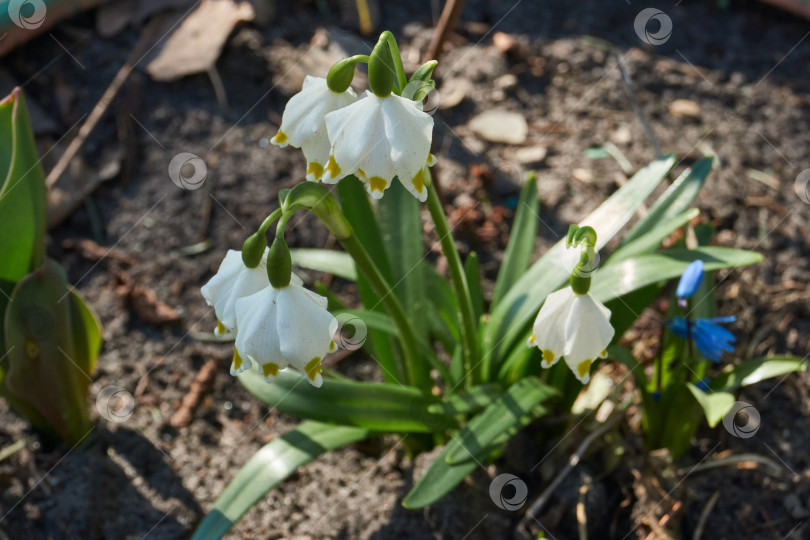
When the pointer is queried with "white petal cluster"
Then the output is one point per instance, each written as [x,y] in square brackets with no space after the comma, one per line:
[380,138]
[575,327]
[303,125]
[375,138]
[275,328]
[233,281]
[284,327]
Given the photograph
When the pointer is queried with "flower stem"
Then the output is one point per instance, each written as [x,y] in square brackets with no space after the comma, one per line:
[460,286]
[412,370]
[400,69]
[269,220]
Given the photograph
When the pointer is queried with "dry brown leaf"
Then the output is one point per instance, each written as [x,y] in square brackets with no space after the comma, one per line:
[197,43]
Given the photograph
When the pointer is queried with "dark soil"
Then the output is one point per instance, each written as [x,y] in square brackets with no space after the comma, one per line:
[744,65]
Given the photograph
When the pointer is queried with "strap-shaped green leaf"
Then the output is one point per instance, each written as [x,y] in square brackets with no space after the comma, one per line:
[472,269]
[522,237]
[338,263]
[270,466]
[469,401]
[438,480]
[614,280]
[376,406]
[753,371]
[651,240]
[675,200]
[23,194]
[519,401]
[715,405]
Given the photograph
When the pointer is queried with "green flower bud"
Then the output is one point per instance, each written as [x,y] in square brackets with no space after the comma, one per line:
[381,68]
[253,249]
[342,72]
[279,262]
[424,72]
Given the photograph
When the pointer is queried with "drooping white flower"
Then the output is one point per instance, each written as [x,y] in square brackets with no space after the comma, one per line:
[233,281]
[284,327]
[302,124]
[575,327]
[378,138]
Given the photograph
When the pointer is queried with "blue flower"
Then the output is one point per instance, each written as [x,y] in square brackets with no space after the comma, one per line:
[711,338]
[690,280]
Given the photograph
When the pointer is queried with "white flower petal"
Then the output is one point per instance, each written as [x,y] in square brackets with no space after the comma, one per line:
[548,331]
[233,281]
[303,125]
[587,334]
[377,139]
[304,329]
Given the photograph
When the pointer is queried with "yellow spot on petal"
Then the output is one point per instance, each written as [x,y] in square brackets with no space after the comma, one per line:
[361,172]
[332,346]
[604,354]
[313,368]
[221,328]
[531,339]
[332,167]
[279,138]
[315,169]
[584,368]
[419,182]
[270,369]
[237,360]
[377,183]
[431,160]
[548,357]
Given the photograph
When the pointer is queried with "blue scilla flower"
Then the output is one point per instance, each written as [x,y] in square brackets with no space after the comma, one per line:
[711,338]
[690,280]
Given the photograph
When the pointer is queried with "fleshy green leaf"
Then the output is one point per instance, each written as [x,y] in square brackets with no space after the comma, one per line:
[614,280]
[376,406]
[674,201]
[23,193]
[520,400]
[714,404]
[522,237]
[472,269]
[46,378]
[337,263]
[521,302]
[652,240]
[399,216]
[438,480]
[469,401]
[354,203]
[269,467]
[753,371]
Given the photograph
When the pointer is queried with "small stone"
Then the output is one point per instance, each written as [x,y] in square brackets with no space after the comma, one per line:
[583,175]
[500,125]
[621,135]
[453,92]
[503,41]
[506,81]
[530,155]
[684,108]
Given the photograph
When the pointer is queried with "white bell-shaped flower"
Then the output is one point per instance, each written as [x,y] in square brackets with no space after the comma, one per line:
[378,138]
[303,126]
[575,327]
[233,281]
[284,327]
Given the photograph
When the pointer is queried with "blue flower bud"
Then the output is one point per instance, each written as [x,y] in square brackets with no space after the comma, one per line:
[690,280]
